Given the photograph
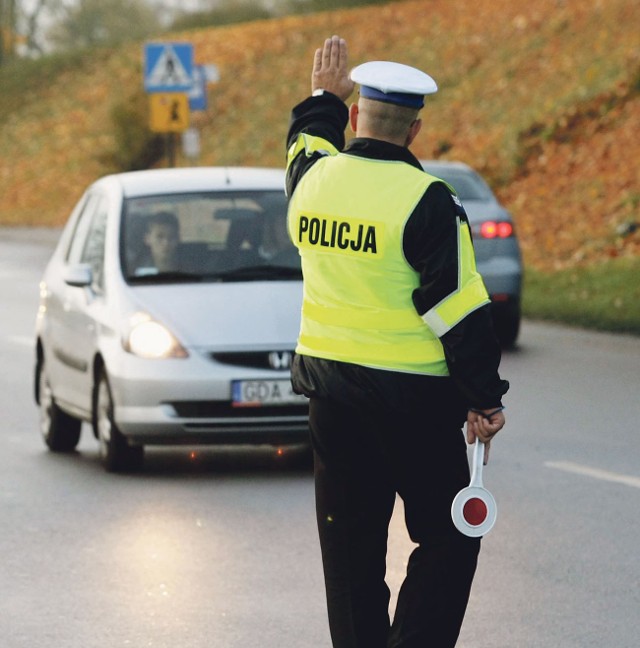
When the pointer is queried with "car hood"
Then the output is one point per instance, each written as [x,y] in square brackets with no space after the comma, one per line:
[225,316]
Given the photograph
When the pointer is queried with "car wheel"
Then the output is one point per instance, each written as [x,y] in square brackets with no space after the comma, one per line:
[60,431]
[115,453]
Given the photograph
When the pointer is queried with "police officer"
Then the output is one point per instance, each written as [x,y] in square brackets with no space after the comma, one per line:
[396,351]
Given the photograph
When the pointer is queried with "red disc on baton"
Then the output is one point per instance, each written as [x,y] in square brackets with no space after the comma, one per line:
[474,510]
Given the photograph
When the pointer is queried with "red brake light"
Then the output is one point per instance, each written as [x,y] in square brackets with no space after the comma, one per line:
[491,229]
[488,229]
[505,230]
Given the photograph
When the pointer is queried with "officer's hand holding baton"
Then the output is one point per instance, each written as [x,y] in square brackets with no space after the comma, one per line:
[484,424]
[331,68]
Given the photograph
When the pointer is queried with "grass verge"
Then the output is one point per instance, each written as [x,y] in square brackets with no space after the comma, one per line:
[605,297]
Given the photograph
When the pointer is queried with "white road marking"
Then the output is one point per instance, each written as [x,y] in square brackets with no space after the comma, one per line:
[596,473]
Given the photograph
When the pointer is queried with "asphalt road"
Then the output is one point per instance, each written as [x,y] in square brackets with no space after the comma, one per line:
[218,549]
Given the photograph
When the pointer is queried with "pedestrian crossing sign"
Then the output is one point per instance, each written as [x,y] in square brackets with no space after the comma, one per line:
[169,112]
[168,67]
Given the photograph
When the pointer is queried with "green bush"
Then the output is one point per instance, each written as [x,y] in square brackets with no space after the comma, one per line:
[21,78]
[224,15]
[136,147]
[604,297]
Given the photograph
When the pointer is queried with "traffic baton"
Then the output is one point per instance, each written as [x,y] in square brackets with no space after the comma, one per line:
[474,510]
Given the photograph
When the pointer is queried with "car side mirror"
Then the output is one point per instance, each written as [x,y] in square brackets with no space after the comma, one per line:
[79,275]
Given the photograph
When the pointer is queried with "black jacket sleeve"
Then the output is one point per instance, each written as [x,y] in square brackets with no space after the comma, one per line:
[471,348]
[325,116]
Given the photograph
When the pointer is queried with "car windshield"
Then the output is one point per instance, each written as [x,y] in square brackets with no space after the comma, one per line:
[218,236]
[468,185]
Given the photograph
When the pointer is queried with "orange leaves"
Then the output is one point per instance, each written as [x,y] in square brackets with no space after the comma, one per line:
[535,95]
[578,200]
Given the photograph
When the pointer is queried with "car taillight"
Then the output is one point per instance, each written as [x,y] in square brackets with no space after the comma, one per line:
[496,229]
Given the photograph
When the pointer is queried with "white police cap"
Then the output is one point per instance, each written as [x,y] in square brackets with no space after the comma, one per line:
[393,83]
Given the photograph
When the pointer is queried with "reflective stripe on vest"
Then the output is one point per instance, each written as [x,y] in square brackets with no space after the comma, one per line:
[470,294]
[310,144]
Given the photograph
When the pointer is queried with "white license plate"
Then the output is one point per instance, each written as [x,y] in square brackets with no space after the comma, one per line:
[258,393]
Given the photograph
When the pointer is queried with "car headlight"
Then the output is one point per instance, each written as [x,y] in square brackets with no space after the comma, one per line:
[148,338]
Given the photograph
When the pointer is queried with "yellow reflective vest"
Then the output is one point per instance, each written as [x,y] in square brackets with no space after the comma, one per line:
[347,217]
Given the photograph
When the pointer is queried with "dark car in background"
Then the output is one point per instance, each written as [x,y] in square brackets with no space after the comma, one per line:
[496,245]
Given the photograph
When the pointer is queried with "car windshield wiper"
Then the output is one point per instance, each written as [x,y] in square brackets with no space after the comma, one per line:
[171,276]
[258,273]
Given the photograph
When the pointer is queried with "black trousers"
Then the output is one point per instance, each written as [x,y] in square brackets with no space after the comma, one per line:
[367,448]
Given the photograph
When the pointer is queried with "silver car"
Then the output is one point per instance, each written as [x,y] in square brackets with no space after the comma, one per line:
[496,245]
[169,313]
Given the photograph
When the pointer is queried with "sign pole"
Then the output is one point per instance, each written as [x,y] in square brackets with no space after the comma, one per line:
[168,77]
[176,88]
[171,149]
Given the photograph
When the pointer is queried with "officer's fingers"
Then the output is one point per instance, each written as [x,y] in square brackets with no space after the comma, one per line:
[472,430]
[484,437]
[343,53]
[316,72]
[470,433]
[335,53]
[326,53]
[487,450]
[495,424]
[487,430]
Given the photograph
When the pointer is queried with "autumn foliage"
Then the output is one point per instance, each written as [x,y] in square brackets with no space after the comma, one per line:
[543,98]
